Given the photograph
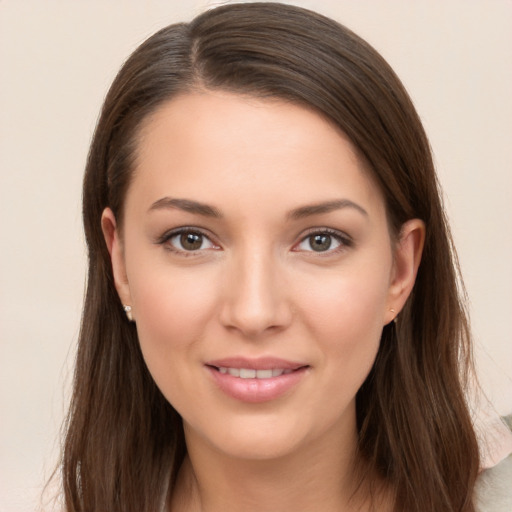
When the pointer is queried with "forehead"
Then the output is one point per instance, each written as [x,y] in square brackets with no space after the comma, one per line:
[213,144]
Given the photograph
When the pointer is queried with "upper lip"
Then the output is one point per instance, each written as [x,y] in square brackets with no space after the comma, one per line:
[260,363]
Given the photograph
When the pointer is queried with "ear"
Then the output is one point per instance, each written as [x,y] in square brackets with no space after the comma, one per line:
[406,261]
[115,249]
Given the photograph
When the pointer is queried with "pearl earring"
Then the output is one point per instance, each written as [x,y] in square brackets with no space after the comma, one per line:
[128,311]
[393,311]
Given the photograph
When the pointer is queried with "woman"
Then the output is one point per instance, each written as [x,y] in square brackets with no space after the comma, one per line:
[272,318]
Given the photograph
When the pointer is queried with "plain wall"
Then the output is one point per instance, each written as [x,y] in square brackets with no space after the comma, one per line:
[57,59]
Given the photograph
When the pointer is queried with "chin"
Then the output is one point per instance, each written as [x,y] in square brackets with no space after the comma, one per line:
[266,436]
[260,446]
[251,437]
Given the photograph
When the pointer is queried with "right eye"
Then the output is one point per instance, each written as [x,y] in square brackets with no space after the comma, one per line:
[187,241]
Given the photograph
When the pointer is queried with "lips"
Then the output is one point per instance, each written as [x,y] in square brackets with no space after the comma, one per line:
[256,380]
[250,373]
[261,363]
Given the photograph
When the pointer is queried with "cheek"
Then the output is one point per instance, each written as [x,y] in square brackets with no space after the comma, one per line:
[348,305]
[172,311]
[345,315]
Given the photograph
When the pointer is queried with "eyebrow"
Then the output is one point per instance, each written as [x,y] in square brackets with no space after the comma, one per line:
[325,207]
[186,205]
[190,206]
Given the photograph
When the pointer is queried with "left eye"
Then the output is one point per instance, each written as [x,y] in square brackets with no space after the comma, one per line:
[320,242]
[190,241]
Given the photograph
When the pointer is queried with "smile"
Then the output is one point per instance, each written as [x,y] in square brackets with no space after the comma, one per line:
[249,373]
[257,380]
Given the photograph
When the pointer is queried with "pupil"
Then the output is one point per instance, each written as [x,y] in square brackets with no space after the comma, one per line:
[191,241]
[320,242]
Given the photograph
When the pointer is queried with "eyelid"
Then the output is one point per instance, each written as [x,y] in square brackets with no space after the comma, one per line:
[168,235]
[345,240]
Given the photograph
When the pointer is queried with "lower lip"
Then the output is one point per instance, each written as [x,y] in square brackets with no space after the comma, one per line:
[257,390]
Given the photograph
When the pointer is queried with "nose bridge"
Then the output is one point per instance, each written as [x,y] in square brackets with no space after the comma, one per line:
[255,298]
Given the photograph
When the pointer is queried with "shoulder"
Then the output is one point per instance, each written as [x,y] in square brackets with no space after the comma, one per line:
[494,488]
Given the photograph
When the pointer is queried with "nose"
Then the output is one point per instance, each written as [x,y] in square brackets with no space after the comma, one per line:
[255,299]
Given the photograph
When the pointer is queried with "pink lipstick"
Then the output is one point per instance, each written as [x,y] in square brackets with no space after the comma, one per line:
[256,380]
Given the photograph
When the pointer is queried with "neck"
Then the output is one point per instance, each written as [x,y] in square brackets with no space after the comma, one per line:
[318,476]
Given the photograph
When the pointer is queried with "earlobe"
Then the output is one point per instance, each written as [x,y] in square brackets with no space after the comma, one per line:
[115,249]
[407,258]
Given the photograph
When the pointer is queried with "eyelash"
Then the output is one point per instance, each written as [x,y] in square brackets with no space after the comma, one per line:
[166,237]
[343,239]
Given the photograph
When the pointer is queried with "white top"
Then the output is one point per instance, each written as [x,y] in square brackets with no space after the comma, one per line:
[494,488]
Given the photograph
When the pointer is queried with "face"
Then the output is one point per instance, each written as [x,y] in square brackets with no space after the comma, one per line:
[256,256]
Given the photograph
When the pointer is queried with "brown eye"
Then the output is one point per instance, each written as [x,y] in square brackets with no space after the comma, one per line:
[321,242]
[189,241]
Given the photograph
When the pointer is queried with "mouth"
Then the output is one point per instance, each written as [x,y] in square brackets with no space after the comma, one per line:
[251,373]
[257,380]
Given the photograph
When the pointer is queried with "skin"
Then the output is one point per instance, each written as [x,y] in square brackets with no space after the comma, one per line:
[256,287]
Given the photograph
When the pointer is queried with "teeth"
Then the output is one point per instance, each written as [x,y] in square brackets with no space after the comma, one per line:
[247,373]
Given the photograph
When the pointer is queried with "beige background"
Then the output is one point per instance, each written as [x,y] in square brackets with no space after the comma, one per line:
[57,59]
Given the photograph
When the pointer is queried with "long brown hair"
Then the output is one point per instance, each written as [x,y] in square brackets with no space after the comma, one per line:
[124,441]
